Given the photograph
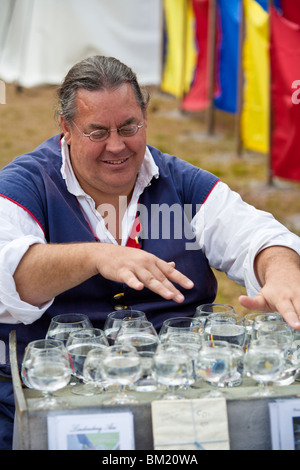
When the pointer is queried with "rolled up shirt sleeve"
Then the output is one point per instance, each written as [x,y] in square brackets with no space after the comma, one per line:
[19,231]
[231,233]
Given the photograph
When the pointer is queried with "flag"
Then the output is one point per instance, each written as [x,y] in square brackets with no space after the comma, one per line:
[197,97]
[285,96]
[263,4]
[291,10]
[229,17]
[255,115]
[180,48]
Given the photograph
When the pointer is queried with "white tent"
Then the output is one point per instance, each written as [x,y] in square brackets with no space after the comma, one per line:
[41,39]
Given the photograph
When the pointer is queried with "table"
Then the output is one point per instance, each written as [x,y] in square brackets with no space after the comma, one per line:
[248,417]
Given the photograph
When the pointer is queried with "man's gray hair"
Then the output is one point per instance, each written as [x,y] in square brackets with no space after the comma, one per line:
[93,74]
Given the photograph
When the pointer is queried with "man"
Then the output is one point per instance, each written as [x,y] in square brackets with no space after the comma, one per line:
[96,214]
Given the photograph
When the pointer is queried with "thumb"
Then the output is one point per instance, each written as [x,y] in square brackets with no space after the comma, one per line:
[254,303]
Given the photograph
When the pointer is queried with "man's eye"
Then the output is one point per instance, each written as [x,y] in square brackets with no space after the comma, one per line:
[99,134]
[127,130]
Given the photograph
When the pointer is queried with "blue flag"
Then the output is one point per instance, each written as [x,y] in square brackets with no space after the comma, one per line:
[228,17]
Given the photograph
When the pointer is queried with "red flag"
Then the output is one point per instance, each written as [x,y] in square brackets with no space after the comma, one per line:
[197,99]
[285,73]
[290,10]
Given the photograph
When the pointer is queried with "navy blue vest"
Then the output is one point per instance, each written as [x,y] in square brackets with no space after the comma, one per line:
[34,181]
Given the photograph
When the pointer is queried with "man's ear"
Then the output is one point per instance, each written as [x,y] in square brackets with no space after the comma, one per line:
[66,130]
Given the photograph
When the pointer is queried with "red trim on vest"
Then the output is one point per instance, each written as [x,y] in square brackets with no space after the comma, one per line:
[211,190]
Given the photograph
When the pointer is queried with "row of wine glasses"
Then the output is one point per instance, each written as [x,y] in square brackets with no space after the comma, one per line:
[217,346]
[73,338]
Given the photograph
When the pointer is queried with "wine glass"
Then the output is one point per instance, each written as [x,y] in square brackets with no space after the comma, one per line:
[263,362]
[187,333]
[283,335]
[274,329]
[115,319]
[172,368]
[121,366]
[49,371]
[213,365]
[38,344]
[228,327]
[189,341]
[290,369]
[92,376]
[143,336]
[61,325]
[235,376]
[180,326]
[249,321]
[265,317]
[206,309]
[79,343]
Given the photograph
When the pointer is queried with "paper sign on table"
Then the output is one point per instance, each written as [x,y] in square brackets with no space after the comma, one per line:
[285,424]
[190,424]
[90,431]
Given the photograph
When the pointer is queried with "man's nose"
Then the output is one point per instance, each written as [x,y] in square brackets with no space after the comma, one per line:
[114,141]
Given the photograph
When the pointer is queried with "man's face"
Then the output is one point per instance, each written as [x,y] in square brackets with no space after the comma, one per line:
[108,168]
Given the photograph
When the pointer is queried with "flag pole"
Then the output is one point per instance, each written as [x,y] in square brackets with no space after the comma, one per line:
[211,65]
[270,173]
[183,48]
[239,148]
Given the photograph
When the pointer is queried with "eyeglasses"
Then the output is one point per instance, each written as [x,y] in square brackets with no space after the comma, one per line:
[102,134]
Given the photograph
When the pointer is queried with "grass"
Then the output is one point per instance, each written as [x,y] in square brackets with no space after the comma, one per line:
[27,119]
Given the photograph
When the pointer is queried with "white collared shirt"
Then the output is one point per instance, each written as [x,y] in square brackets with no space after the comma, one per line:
[96,222]
[229,231]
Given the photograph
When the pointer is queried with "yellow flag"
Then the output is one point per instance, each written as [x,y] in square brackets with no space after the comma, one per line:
[256,101]
[181,54]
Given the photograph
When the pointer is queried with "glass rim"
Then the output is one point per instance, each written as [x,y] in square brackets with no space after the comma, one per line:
[76,317]
[46,341]
[81,331]
[129,311]
[188,319]
[212,305]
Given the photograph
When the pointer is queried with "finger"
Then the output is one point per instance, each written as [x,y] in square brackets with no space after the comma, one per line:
[174,275]
[171,263]
[144,278]
[254,303]
[288,311]
[156,281]
[285,308]
[132,281]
